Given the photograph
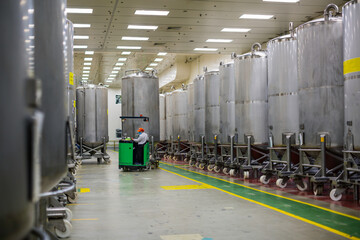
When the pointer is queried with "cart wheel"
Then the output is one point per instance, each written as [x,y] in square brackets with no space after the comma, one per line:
[74,172]
[99,160]
[246,174]
[67,231]
[280,183]
[318,190]
[197,164]
[210,167]
[226,171]
[175,158]
[202,166]
[68,214]
[264,180]
[233,172]
[334,196]
[72,200]
[192,163]
[186,160]
[217,169]
[302,188]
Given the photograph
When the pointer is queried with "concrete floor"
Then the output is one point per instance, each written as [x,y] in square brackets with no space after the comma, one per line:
[133,205]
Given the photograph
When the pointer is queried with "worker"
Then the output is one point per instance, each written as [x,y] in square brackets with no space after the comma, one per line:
[139,147]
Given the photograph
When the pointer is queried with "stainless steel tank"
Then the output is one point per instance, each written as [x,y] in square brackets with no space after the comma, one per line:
[69,73]
[179,114]
[351,18]
[92,114]
[212,105]
[162,110]
[320,72]
[140,96]
[227,102]
[49,17]
[283,87]
[168,103]
[16,63]
[190,112]
[199,108]
[251,105]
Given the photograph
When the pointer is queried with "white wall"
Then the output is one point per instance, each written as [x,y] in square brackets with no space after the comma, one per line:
[114,112]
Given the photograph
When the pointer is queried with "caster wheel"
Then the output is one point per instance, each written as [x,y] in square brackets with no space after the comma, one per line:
[246,174]
[334,196]
[217,169]
[66,233]
[201,166]
[99,160]
[302,188]
[280,183]
[174,158]
[68,214]
[191,163]
[233,172]
[318,190]
[74,172]
[264,180]
[72,200]
[197,164]
[226,171]
[210,168]
[186,160]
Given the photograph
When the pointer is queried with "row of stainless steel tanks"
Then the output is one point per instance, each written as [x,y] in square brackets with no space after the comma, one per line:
[292,94]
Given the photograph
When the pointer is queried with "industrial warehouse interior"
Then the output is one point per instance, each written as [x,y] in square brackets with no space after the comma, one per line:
[180,119]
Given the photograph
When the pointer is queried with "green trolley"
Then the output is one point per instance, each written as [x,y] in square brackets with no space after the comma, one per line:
[133,156]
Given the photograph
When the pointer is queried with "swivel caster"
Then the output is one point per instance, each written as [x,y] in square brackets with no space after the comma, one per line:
[303,187]
[197,164]
[264,180]
[318,189]
[210,167]
[72,200]
[67,232]
[192,163]
[226,171]
[334,196]
[233,172]
[186,160]
[217,169]
[68,214]
[281,183]
[201,166]
[246,174]
[99,160]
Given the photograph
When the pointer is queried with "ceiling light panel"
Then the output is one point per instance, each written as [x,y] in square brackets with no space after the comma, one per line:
[87,63]
[109,81]
[81,25]
[112,75]
[158,59]
[114,71]
[125,53]
[206,49]
[162,53]
[88,59]
[116,68]
[86,68]
[256,16]
[81,37]
[242,30]
[79,10]
[149,69]
[122,59]
[135,38]
[142,27]
[153,64]
[219,40]
[128,47]
[119,64]
[86,71]
[151,12]
[85,75]
[80,46]
[111,78]
[89,52]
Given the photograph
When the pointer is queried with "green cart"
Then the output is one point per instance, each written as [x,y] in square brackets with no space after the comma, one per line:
[133,156]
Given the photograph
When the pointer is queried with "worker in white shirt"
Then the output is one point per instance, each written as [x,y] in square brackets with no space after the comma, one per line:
[139,147]
[143,137]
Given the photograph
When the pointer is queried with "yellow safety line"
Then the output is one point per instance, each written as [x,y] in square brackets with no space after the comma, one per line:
[273,194]
[85,219]
[275,209]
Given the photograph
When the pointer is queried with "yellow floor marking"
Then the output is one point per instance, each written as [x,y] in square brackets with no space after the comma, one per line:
[291,199]
[84,190]
[80,204]
[186,187]
[275,209]
[85,219]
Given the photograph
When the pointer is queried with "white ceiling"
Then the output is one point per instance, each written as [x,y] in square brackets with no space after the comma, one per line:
[195,20]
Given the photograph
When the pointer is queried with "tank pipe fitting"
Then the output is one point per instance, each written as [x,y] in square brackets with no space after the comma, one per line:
[132,70]
[153,72]
[291,29]
[253,47]
[59,192]
[327,11]
[233,55]
[172,88]
[205,69]
[221,63]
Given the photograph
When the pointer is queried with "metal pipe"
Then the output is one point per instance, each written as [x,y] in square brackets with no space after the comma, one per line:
[58,192]
[327,12]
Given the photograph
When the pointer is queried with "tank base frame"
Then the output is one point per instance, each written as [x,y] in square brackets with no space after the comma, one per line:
[99,152]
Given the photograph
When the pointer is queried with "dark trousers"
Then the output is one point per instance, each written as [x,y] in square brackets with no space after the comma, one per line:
[138,154]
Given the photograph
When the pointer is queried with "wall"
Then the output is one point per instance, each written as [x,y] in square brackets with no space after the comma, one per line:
[114,112]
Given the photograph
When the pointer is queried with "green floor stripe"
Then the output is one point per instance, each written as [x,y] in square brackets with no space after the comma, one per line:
[332,220]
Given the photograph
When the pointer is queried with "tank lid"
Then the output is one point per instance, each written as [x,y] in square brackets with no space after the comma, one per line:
[226,65]
[348,4]
[138,74]
[216,72]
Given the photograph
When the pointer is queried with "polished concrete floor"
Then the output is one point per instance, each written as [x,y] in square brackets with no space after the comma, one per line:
[167,204]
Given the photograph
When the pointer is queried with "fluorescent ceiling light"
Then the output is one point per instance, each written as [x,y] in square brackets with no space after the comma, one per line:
[85,78]
[81,37]
[206,49]
[162,53]
[125,53]
[114,71]
[116,68]
[89,52]
[142,27]
[283,1]
[151,12]
[219,40]
[119,64]
[128,47]
[81,25]
[122,59]
[112,75]
[158,59]
[86,68]
[87,64]
[79,10]
[153,64]
[84,81]
[86,71]
[88,59]
[109,81]
[135,38]
[255,16]
[111,78]
[80,46]
[148,68]
[235,29]
[85,75]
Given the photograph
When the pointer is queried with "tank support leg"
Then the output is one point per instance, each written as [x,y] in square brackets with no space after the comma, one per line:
[202,148]
[288,152]
[249,150]
[323,157]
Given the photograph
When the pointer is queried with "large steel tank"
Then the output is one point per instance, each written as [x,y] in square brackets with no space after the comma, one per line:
[227,102]
[320,72]
[162,110]
[190,112]
[212,105]
[92,115]
[251,105]
[199,108]
[69,73]
[283,87]
[351,18]
[16,63]
[140,96]
[49,68]
[179,116]
[169,125]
